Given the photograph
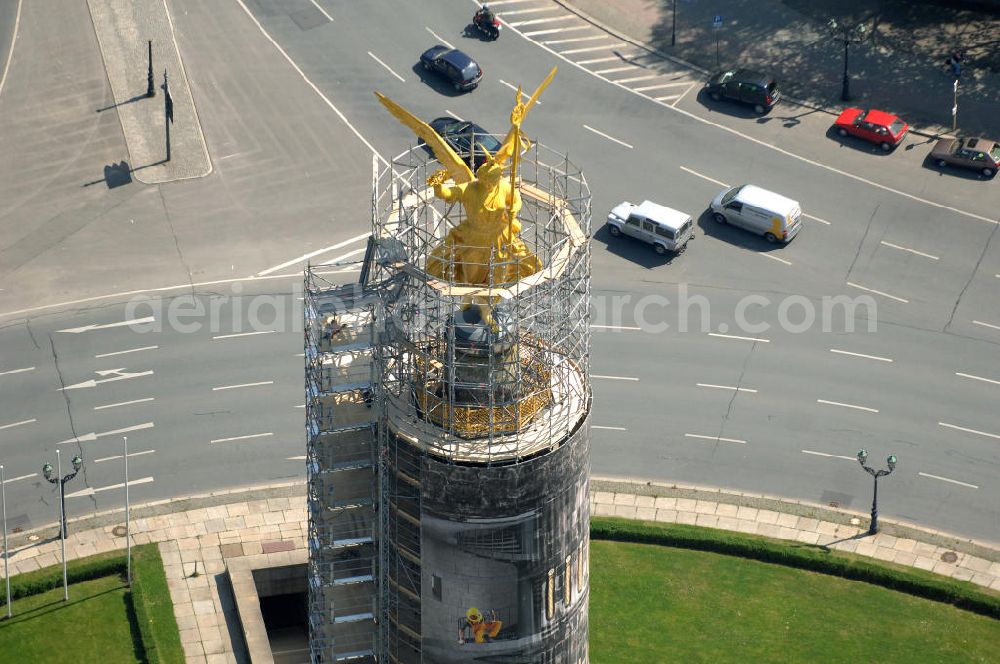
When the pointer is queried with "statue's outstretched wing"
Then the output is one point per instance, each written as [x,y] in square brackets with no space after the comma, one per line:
[457,168]
[506,151]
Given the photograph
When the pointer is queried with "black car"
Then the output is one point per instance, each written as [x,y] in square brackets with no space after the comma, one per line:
[460,135]
[461,70]
[747,86]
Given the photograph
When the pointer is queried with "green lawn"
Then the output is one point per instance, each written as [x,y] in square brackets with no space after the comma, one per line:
[94,626]
[654,604]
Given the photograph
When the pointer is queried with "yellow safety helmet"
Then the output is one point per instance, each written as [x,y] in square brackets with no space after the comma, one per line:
[473,615]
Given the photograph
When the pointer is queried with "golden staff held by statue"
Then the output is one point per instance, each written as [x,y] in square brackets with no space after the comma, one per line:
[489,234]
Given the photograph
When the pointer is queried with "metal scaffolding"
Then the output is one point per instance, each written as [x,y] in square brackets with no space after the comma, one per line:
[396,378]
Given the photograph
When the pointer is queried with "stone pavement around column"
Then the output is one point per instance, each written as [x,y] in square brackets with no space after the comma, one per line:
[213,532]
[901,68]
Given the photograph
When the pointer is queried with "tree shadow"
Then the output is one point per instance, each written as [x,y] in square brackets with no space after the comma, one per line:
[901,64]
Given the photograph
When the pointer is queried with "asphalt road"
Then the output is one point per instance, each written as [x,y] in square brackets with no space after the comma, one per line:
[291,179]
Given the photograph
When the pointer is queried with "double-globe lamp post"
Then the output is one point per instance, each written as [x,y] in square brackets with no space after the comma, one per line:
[849,34]
[891,461]
[61,481]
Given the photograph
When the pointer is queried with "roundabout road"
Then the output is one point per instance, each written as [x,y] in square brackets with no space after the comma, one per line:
[685,390]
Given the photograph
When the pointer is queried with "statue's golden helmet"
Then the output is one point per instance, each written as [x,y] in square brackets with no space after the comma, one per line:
[491,170]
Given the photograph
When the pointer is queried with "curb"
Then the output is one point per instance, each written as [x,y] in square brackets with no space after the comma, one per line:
[888,526]
[927,132]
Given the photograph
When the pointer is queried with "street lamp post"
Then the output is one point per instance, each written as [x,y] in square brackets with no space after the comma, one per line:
[891,461]
[849,34]
[61,481]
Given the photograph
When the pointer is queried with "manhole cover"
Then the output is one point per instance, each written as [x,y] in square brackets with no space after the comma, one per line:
[118,531]
[949,556]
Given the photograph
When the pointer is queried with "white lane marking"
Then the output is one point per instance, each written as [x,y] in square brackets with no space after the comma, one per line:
[439,38]
[614,327]
[90,491]
[775,258]
[985,380]
[591,49]
[637,78]
[497,3]
[878,292]
[161,289]
[674,103]
[17,424]
[659,86]
[727,387]
[597,60]
[704,177]
[847,405]
[124,352]
[16,371]
[539,21]
[316,5]
[107,326]
[787,153]
[19,477]
[979,322]
[616,69]
[513,87]
[912,251]
[253,435]
[614,377]
[10,53]
[554,31]
[387,67]
[305,257]
[610,138]
[130,455]
[337,260]
[457,117]
[867,357]
[235,387]
[945,479]
[975,431]
[814,218]
[733,336]
[124,403]
[296,458]
[576,39]
[715,438]
[831,456]
[668,97]
[533,10]
[301,405]
[242,334]
[597,426]
[94,436]
[121,375]
[312,85]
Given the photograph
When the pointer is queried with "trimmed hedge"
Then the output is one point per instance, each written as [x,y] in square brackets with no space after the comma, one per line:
[154,610]
[815,558]
[85,569]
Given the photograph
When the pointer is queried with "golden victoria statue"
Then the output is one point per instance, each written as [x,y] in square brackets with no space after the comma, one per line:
[489,235]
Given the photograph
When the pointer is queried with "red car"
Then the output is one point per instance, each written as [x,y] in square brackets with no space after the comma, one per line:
[884,129]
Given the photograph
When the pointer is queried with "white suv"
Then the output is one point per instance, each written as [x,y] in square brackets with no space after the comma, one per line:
[664,228]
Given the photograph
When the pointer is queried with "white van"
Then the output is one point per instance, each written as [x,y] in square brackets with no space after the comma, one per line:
[759,211]
[664,228]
